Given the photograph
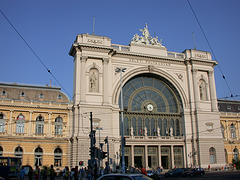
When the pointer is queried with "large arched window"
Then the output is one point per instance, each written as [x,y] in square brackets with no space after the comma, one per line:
[58,125]
[20,124]
[57,157]
[151,103]
[38,156]
[212,155]
[18,152]
[39,125]
[233,131]
[235,154]
[1,151]
[2,123]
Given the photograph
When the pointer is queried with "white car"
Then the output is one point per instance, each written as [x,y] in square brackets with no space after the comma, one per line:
[124,177]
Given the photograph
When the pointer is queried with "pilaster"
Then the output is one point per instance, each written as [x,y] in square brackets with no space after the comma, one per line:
[212,91]
[105,81]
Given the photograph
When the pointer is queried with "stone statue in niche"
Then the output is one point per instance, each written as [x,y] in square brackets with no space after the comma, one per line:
[203,90]
[93,80]
[171,131]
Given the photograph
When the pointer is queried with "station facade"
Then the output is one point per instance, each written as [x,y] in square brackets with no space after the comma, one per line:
[170,111]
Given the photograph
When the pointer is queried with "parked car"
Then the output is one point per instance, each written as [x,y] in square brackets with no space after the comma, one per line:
[193,172]
[198,171]
[188,172]
[124,176]
[174,172]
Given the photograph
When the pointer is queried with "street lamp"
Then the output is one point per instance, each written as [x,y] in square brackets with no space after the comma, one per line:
[121,70]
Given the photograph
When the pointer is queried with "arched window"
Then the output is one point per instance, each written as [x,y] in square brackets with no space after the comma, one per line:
[38,156]
[203,90]
[235,154]
[58,125]
[177,127]
[2,123]
[1,151]
[233,131]
[57,157]
[212,153]
[39,125]
[18,152]
[20,124]
[93,80]
[149,101]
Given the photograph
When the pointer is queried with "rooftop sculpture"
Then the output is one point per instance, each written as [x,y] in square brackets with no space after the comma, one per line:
[146,38]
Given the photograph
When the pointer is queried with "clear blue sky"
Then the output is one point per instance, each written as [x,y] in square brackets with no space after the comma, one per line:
[50,27]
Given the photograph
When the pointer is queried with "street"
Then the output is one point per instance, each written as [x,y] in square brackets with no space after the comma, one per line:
[225,175]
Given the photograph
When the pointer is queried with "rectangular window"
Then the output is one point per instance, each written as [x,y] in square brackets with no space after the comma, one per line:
[39,129]
[229,107]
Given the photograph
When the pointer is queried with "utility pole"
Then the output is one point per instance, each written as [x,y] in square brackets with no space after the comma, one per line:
[92,161]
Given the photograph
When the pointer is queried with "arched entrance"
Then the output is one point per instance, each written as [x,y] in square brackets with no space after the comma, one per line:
[153,110]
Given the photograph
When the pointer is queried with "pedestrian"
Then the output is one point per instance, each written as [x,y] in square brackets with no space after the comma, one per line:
[30,173]
[76,173]
[66,173]
[37,173]
[44,173]
[22,173]
[52,173]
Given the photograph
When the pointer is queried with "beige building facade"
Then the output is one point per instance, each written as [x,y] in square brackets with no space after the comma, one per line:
[230,127]
[34,124]
[170,109]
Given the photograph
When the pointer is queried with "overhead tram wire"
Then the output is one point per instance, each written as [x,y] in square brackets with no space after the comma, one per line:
[34,53]
[211,49]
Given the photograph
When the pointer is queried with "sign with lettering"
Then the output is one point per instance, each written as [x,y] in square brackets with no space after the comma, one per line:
[95,41]
[152,62]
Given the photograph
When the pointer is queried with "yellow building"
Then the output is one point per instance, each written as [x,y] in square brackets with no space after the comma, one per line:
[230,126]
[34,124]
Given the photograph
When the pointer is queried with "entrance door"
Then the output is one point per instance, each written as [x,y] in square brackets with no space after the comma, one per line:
[165,162]
[138,161]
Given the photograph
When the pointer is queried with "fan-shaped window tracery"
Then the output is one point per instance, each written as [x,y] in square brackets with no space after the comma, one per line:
[152,107]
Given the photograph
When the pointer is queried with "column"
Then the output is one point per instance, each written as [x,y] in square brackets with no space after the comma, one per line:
[146,156]
[49,125]
[105,81]
[132,155]
[184,157]
[83,83]
[195,88]
[212,89]
[30,123]
[10,123]
[172,157]
[159,156]
[77,77]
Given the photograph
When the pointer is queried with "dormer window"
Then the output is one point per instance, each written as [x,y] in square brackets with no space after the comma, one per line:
[4,93]
[59,96]
[41,96]
[22,94]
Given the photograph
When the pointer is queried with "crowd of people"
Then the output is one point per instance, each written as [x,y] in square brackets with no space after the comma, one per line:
[74,173]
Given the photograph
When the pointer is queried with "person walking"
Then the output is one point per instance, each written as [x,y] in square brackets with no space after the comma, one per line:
[52,173]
